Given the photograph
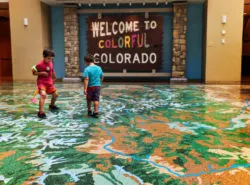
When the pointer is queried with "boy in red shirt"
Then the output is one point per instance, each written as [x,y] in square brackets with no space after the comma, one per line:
[45,81]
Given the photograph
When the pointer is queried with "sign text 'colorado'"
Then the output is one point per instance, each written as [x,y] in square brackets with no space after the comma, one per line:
[126,42]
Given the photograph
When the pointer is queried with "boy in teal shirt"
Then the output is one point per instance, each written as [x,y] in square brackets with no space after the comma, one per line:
[93,76]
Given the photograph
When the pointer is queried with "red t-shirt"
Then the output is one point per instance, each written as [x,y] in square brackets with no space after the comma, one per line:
[45,67]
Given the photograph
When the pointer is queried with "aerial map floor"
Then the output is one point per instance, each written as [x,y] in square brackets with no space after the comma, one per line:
[146,135]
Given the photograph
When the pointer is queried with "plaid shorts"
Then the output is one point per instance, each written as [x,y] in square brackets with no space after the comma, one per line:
[93,93]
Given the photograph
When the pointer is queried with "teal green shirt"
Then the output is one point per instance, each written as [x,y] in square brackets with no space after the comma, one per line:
[94,74]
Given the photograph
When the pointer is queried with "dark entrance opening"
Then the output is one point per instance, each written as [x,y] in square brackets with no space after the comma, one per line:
[5,44]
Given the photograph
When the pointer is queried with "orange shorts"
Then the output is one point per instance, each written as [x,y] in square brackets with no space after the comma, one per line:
[48,89]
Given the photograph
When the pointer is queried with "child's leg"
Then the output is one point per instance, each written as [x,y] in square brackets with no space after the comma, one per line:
[96,99]
[53,99]
[96,106]
[43,96]
[89,105]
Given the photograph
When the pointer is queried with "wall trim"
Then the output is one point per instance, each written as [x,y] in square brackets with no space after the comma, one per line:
[125,10]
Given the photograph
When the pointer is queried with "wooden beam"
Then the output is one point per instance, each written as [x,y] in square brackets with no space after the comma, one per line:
[4,6]
[4,13]
[125,10]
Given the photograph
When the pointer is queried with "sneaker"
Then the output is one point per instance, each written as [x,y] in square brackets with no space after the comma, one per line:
[53,107]
[89,113]
[95,115]
[41,115]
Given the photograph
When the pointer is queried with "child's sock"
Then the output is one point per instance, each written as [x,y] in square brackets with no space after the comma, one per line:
[95,114]
[89,112]
[53,107]
[41,114]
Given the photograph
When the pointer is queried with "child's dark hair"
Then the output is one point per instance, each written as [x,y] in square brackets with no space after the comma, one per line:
[48,53]
[89,58]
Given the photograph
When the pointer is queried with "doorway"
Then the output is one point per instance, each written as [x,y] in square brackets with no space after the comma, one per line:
[245,72]
[5,44]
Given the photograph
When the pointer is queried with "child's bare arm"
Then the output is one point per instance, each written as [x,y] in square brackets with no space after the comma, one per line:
[86,82]
[40,73]
[54,75]
[37,73]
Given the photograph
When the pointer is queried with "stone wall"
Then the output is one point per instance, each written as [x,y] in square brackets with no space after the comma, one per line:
[71,42]
[179,40]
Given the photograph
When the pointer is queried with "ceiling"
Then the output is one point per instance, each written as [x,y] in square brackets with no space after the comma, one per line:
[53,2]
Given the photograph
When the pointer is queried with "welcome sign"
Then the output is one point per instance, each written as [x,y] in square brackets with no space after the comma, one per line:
[126,42]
